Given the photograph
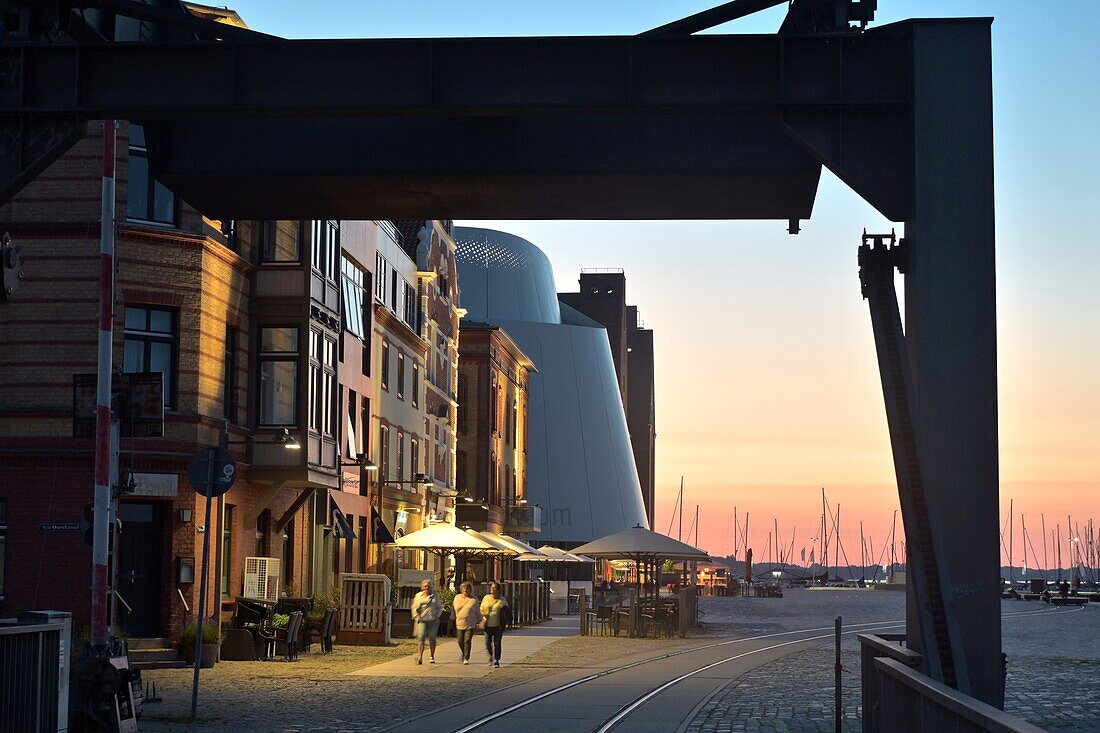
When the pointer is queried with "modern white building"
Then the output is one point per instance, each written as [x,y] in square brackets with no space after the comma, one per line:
[580,467]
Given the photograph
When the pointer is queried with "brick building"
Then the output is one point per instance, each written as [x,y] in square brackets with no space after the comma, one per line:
[250,325]
[493,392]
[602,297]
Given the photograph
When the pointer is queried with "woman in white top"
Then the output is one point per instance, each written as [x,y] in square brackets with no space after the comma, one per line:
[426,610]
[467,615]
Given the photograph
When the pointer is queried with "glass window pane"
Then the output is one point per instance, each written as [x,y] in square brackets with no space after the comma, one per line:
[137,188]
[164,204]
[279,340]
[286,247]
[278,392]
[160,321]
[135,318]
[137,136]
[133,356]
[160,357]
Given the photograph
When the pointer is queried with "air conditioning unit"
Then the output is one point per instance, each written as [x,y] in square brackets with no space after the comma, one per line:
[261,577]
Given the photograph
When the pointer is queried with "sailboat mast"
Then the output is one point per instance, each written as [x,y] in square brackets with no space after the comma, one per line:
[893,547]
[1011,531]
[1023,540]
[1046,563]
[836,531]
[825,536]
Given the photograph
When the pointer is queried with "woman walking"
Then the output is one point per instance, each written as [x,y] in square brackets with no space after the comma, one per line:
[426,609]
[467,616]
[494,613]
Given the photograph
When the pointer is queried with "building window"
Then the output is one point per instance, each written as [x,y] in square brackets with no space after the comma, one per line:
[492,478]
[364,542]
[400,457]
[325,251]
[493,409]
[354,283]
[150,345]
[460,470]
[354,448]
[229,376]
[263,523]
[229,231]
[288,556]
[278,376]
[280,243]
[227,549]
[462,396]
[414,457]
[410,306]
[515,421]
[383,453]
[380,267]
[400,376]
[331,409]
[416,384]
[364,428]
[393,290]
[386,366]
[147,199]
[3,541]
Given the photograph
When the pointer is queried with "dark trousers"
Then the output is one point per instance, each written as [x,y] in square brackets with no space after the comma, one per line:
[493,636]
[465,639]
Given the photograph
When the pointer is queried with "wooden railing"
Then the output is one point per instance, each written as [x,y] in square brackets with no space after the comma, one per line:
[529,599]
[898,698]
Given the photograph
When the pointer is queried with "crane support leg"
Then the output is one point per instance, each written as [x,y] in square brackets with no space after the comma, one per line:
[946,363]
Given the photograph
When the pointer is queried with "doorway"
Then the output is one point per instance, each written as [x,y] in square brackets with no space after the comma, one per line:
[140,568]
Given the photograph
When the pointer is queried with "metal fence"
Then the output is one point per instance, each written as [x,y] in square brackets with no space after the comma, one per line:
[898,698]
[34,674]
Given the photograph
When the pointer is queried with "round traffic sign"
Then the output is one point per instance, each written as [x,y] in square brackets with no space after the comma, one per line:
[212,471]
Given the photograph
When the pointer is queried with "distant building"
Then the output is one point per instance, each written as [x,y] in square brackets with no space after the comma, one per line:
[602,297]
[429,243]
[580,462]
[493,416]
[400,354]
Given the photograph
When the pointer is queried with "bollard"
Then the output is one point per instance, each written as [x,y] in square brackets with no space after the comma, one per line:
[839,709]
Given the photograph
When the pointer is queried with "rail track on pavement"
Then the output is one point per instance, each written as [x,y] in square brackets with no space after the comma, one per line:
[768,643]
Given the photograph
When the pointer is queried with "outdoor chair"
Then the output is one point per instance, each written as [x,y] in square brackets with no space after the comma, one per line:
[289,636]
[601,617]
[325,632]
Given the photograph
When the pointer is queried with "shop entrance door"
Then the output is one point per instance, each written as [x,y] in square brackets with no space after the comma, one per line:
[140,568]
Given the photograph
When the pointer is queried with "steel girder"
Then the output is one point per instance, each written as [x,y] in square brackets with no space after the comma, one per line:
[603,127]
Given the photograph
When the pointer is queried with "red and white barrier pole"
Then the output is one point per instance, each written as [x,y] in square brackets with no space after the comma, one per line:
[101,530]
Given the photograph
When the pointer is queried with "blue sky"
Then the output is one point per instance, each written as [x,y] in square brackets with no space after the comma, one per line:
[765,361]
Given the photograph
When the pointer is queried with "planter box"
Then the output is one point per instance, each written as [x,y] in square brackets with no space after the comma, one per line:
[209,654]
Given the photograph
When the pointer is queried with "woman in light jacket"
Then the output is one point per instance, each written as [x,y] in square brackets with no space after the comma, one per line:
[467,615]
[426,610]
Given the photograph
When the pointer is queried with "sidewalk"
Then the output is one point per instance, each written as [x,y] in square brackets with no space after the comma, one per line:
[518,645]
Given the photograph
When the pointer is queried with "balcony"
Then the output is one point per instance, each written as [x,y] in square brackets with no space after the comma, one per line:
[523,518]
[479,516]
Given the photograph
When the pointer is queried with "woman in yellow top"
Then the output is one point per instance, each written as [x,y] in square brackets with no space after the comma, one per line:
[467,615]
[493,622]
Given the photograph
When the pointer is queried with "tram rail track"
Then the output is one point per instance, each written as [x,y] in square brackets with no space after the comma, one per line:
[629,708]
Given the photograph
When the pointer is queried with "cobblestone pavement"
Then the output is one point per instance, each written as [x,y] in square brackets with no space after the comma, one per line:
[317,695]
[1054,665]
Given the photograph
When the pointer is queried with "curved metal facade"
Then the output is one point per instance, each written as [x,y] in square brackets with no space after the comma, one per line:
[580,464]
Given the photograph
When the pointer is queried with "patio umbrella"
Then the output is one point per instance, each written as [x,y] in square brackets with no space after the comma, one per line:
[554,554]
[643,546]
[446,539]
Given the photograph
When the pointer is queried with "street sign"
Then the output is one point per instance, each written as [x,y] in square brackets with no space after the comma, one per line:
[60,526]
[212,471]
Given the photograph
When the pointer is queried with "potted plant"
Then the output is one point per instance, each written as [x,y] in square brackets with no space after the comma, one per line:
[211,643]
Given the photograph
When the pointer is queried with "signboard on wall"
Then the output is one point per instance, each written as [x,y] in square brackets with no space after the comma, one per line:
[156,484]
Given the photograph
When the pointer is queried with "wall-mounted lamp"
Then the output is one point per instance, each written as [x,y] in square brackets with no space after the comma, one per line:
[185,569]
[289,441]
[186,515]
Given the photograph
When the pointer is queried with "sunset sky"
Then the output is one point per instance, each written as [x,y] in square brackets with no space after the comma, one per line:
[767,386]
